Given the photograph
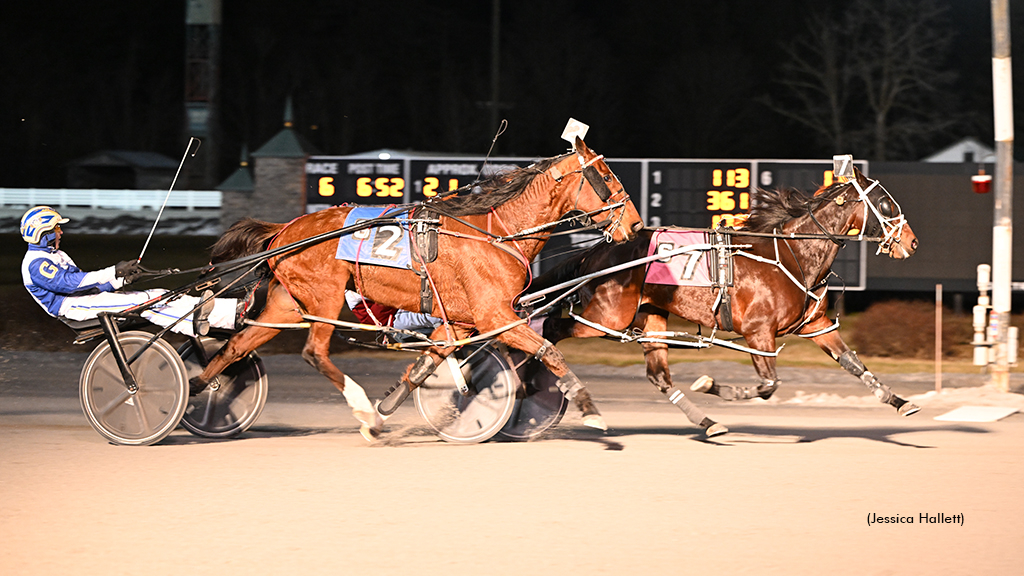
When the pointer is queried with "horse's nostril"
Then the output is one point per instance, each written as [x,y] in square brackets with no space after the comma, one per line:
[638,226]
[913,244]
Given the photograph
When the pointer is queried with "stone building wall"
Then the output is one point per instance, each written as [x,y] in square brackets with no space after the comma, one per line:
[278,194]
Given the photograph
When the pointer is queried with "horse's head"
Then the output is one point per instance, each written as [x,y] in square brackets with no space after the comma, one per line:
[880,217]
[601,197]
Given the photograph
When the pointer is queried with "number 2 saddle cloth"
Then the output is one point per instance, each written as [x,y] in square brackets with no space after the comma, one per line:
[686,269]
[385,245]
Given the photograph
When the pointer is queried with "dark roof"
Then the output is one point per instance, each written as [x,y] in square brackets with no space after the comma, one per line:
[286,144]
[239,181]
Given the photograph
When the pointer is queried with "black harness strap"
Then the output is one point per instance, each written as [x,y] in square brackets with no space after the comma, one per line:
[829,235]
[725,313]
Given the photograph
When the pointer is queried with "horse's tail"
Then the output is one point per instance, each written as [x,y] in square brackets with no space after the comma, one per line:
[245,237]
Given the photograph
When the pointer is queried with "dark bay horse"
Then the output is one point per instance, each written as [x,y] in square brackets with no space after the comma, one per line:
[485,243]
[777,288]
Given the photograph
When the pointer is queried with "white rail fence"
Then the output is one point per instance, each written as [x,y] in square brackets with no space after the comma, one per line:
[110,199]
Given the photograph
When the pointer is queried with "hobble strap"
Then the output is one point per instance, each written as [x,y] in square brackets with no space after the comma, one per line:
[570,386]
[547,345]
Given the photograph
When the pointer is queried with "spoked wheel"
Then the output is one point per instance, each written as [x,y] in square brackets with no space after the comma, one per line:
[154,410]
[232,402]
[539,406]
[479,415]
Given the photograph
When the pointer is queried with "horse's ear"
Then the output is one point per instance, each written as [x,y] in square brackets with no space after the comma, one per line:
[861,179]
[581,148]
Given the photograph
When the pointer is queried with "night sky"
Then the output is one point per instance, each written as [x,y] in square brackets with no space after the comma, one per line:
[662,78]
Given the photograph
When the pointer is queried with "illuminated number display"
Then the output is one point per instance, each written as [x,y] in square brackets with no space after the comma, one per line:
[698,194]
[433,177]
[331,182]
[430,178]
[382,187]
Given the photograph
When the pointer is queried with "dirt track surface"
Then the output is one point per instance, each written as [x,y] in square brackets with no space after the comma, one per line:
[788,491]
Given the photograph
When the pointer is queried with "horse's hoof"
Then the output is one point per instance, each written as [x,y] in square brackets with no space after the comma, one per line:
[371,424]
[370,434]
[702,384]
[595,421]
[908,409]
[715,429]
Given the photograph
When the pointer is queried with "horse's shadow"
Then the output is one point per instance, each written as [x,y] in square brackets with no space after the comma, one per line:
[256,432]
[759,434]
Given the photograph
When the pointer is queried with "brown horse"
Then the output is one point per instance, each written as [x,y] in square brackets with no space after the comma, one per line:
[778,287]
[485,243]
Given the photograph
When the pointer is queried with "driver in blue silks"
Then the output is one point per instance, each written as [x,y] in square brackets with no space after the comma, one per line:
[66,291]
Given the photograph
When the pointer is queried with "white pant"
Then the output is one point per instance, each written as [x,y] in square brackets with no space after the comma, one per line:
[163,314]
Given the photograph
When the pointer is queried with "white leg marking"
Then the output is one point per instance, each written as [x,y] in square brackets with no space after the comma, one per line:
[356,396]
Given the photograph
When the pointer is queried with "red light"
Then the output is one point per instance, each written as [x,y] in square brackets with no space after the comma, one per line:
[981,183]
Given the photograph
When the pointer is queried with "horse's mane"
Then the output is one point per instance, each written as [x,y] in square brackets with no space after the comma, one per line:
[495,190]
[770,209]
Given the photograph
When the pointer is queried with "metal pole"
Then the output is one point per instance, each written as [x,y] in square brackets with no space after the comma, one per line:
[1002,228]
[938,337]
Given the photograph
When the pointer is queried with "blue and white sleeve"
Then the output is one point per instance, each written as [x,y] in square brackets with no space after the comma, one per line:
[71,280]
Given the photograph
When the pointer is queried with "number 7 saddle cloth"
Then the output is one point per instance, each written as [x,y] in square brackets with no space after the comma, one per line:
[686,269]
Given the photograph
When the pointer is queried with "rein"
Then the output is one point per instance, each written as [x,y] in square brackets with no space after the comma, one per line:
[828,234]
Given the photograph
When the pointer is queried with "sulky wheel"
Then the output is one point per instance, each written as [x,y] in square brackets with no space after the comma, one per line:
[154,410]
[540,405]
[479,415]
[232,402]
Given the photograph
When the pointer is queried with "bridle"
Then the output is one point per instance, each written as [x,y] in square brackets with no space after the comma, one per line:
[599,185]
[891,226]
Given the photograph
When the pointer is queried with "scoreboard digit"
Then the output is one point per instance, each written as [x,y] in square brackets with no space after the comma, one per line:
[698,194]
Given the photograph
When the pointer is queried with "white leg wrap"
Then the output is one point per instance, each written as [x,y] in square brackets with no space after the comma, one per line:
[356,396]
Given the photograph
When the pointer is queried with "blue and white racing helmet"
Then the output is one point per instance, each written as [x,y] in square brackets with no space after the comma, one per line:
[38,221]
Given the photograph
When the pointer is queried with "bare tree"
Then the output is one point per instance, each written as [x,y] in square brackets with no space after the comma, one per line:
[816,76]
[871,79]
[899,61]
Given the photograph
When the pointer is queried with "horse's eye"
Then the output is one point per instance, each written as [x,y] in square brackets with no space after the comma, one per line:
[885,207]
[607,177]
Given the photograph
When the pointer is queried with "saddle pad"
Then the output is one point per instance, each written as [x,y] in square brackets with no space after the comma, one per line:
[687,269]
[386,245]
